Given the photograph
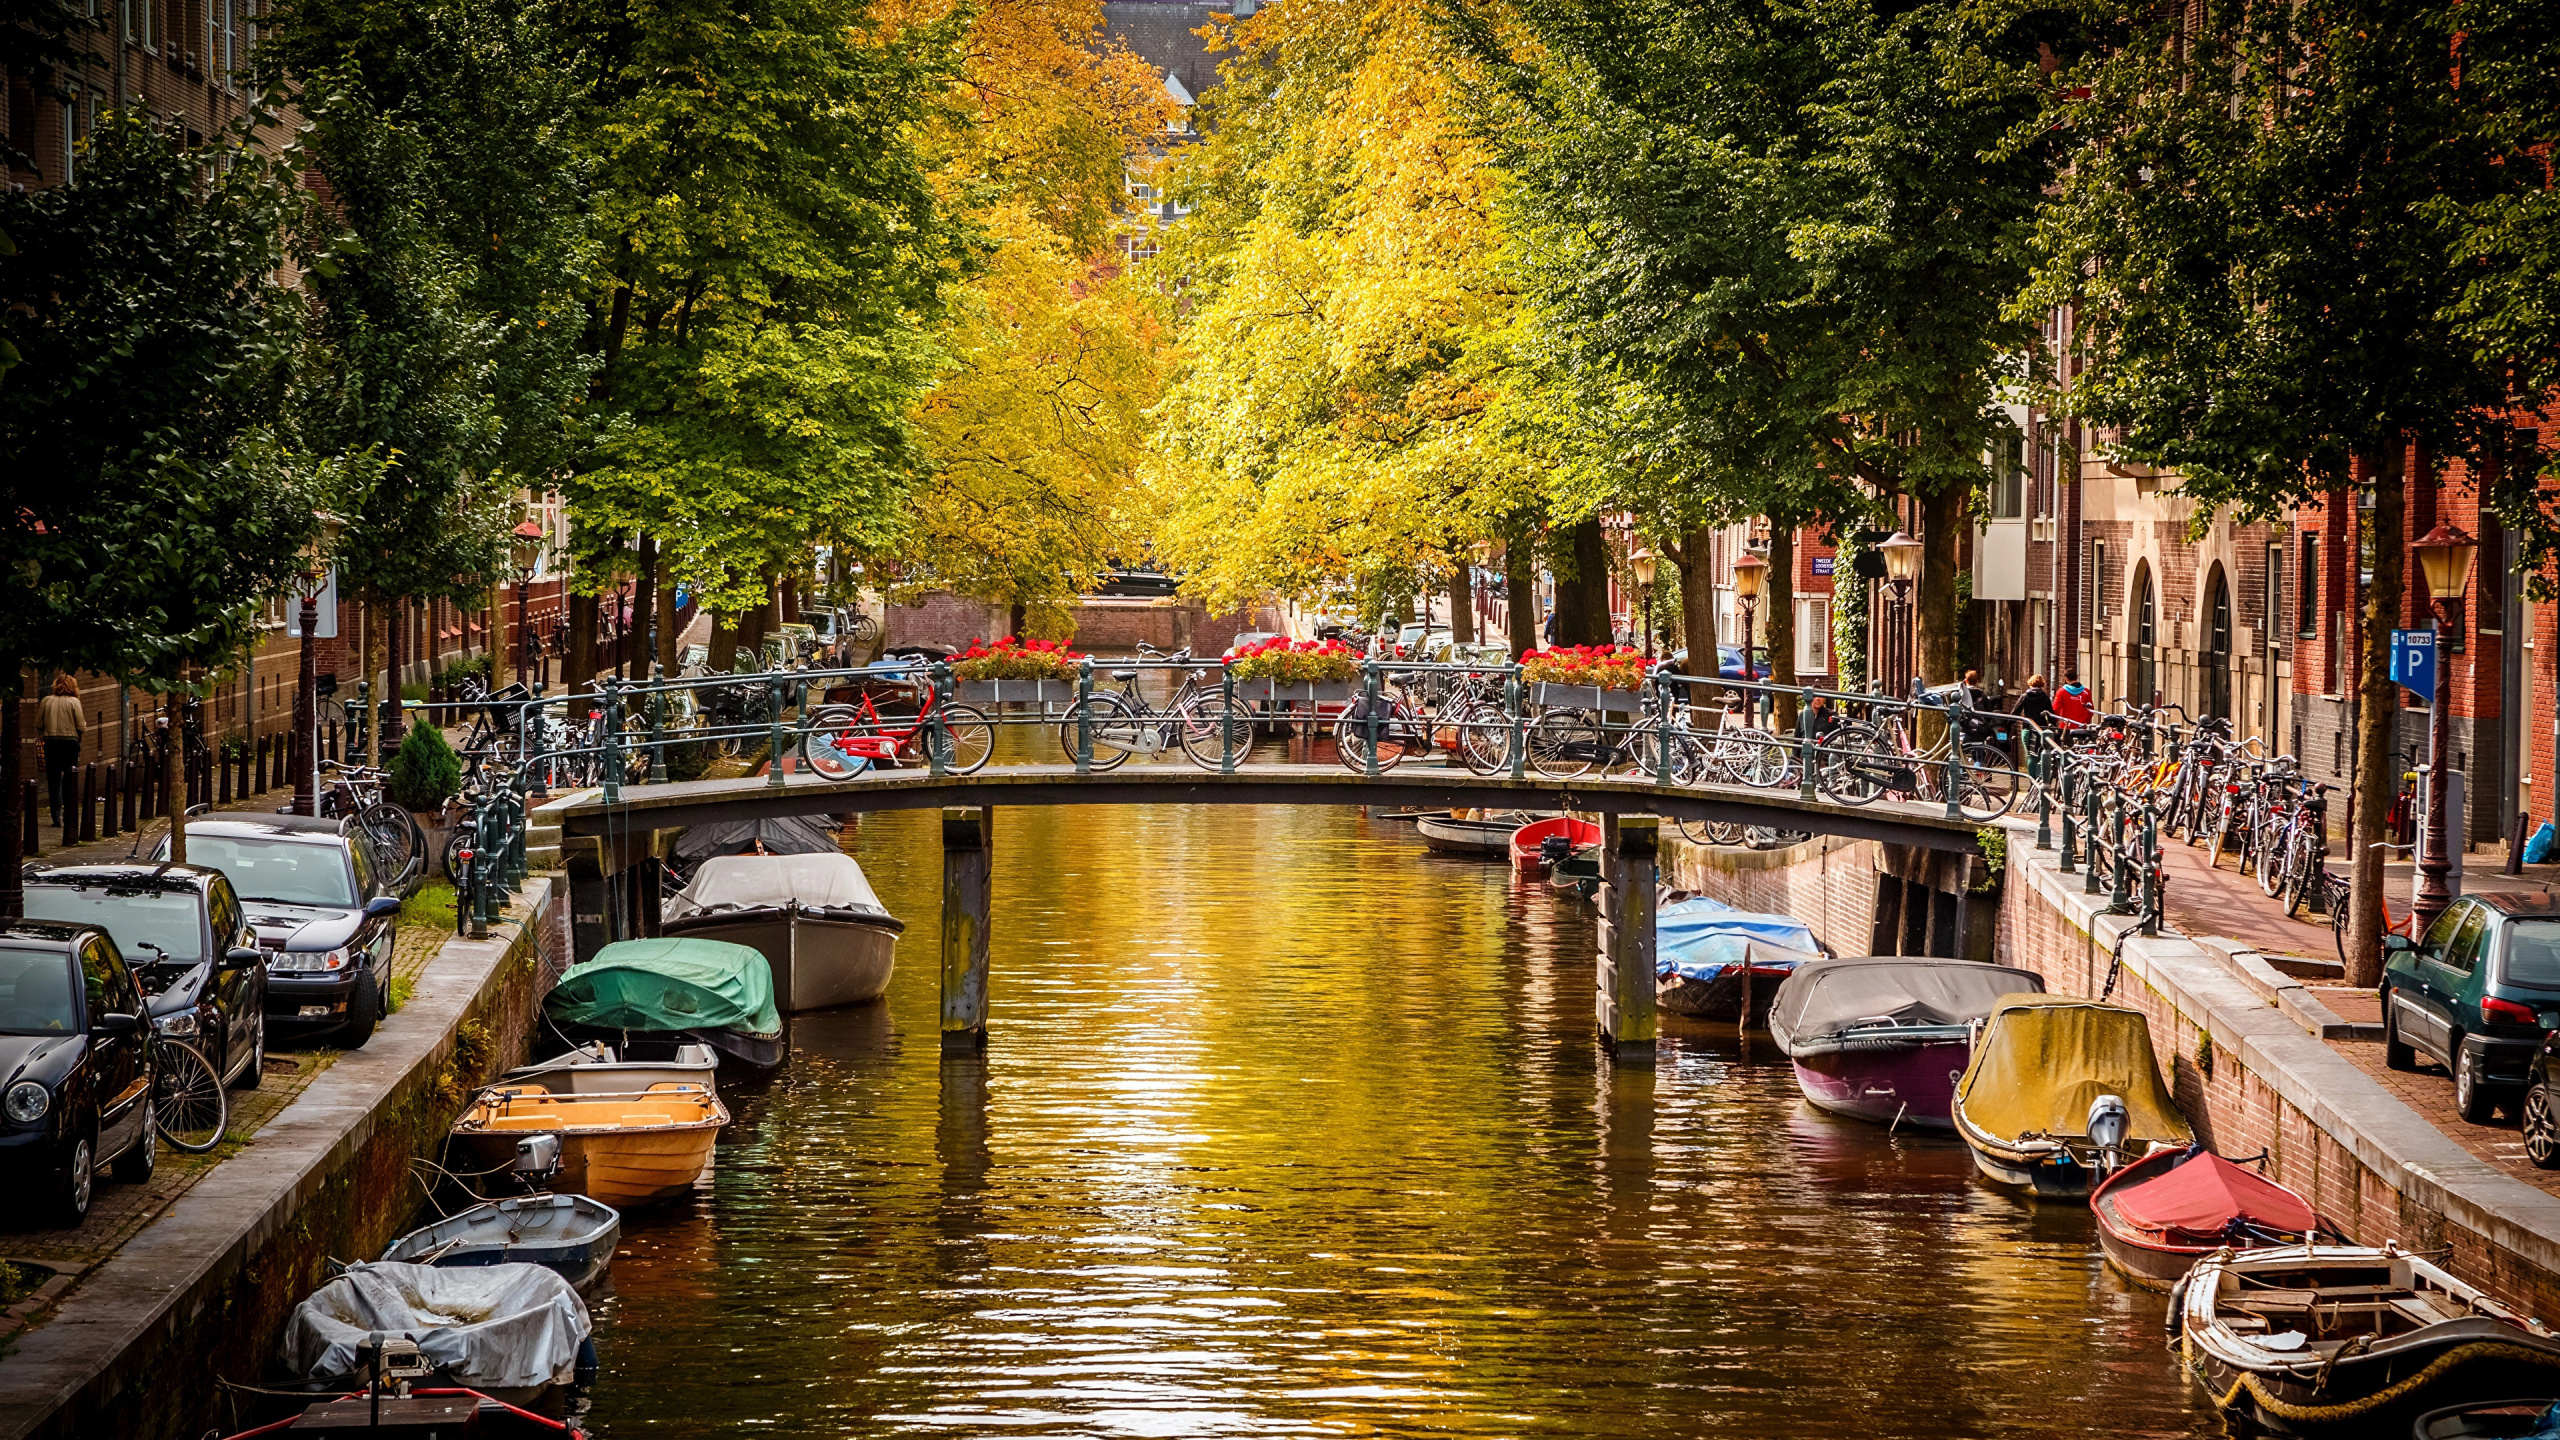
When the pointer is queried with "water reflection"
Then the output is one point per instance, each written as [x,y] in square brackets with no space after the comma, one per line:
[1281,1131]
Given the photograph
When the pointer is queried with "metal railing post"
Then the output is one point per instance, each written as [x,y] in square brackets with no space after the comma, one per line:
[2065,775]
[1511,695]
[1227,716]
[1369,713]
[611,766]
[1804,744]
[1955,751]
[364,748]
[937,735]
[2120,888]
[1662,732]
[2090,827]
[774,746]
[658,732]
[2037,765]
[2150,871]
[1084,716]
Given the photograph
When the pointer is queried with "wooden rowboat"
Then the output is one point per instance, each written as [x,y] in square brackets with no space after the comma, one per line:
[629,1149]
[571,1235]
[2334,1340]
[2161,1214]
[1528,843]
[1488,838]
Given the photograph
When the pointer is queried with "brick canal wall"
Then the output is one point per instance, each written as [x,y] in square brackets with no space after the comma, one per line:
[204,1291]
[2249,1076]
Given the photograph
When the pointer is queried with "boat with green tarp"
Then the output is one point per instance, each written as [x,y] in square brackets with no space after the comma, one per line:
[668,991]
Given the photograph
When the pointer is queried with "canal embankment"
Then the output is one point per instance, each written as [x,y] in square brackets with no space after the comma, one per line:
[2256,1059]
[140,1347]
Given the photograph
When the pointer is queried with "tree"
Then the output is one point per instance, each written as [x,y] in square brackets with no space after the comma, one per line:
[1795,227]
[142,507]
[2298,239]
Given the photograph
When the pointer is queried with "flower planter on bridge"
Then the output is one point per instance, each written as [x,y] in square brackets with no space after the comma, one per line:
[1008,692]
[1586,697]
[1312,692]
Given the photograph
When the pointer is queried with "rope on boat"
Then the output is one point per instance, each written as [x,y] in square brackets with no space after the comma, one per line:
[2436,1369]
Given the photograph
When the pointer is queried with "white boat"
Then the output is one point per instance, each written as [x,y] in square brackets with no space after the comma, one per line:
[518,1333]
[596,1068]
[570,1235]
[814,918]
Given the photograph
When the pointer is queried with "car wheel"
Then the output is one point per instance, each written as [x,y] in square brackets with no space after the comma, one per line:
[254,1073]
[71,1193]
[135,1165]
[2541,1129]
[2396,1053]
[364,1011]
[2471,1099]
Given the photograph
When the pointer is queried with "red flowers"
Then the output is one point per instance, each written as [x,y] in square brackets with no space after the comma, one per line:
[1610,667]
[1012,658]
[1296,662]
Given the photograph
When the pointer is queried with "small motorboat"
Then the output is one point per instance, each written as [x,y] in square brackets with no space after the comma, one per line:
[441,1412]
[569,1234]
[598,1068]
[624,1150]
[515,1333]
[2533,1418]
[2345,1340]
[814,918]
[1480,834]
[1883,1037]
[2161,1214]
[1576,873]
[2062,1090]
[1712,960]
[1529,849]
[673,990]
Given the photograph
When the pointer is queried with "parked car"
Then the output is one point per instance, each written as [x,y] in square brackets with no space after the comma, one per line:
[2478,993]
[203,978]
[1728,662]
[75,1067]
[322,913]
[1137,580]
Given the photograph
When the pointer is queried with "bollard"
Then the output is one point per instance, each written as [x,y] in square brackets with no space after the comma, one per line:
[259,760]
[88,802]
[30,805]
[131,778]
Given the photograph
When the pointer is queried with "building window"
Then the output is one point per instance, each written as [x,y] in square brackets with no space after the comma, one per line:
[70,137]
[2275,599]
[1813,635]
[2009,478]
[2307,589]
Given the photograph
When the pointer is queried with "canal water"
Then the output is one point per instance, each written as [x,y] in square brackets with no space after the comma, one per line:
[1287,1128]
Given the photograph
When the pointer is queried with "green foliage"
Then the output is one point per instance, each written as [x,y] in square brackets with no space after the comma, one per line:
[1848,612]
[425,772]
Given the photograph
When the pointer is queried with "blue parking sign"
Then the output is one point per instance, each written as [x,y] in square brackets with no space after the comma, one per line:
[2413,662]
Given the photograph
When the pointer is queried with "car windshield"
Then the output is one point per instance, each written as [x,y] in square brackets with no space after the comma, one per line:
[140,921]
[35,991]
[2533,953]
[289,871]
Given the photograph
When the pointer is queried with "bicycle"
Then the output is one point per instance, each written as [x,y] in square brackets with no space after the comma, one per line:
[2294,845]
[1109,726]
[845,738]
[190,1106]
[1860,762]
[355,792]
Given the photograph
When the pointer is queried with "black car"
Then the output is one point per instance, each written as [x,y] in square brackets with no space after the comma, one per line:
[2477,993]
[75,1067]
[182,929]
[322,912]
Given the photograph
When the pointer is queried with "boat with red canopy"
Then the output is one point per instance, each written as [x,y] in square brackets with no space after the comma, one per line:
[2161,1214]
[1528,843]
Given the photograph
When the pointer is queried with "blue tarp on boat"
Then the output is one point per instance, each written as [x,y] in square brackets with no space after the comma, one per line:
[1702,938]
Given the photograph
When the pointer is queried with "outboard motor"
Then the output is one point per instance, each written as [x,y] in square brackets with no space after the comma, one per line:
[1555,848]
[537,1160]
[2108,1122]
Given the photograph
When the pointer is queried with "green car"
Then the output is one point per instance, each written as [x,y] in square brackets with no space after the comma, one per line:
[2477,994]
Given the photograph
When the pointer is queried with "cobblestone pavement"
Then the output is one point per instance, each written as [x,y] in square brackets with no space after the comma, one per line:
[2429,1091]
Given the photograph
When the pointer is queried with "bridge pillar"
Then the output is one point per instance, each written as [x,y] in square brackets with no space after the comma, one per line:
[968,868]
[1629,846]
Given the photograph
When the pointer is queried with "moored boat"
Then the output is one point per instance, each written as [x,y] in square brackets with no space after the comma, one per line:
[444,1412]
[2161,1214]
[1529,842]
[2046,1072]
[624,1150]
[516,1333]
[1882,1037]
[2323,1340]
[814,918]
[1480,834]
[671,991]
[598,1068]
[571,1235]
[2531,1418]
[1711,960]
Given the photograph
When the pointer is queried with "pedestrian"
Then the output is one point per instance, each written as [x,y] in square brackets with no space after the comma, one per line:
[2035,706]
[1551,627]
[2071,703]
[61,721]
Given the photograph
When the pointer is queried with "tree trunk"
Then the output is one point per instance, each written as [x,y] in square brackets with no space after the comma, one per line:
[13,792]
[644,603]
[581,670]
[753,625]
[1698,608]
[391,628]
[1520,579]
[1582,588]
[1778,602]
[667,637]
[2377,716]
[1941,514]
[1462,604]
[724,643]
[173,775]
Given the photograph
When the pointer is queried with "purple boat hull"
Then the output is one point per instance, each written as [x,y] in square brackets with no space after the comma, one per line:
[1911,1084]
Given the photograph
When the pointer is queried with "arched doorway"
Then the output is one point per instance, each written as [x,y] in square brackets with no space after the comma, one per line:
[2213,697]
[2142,675]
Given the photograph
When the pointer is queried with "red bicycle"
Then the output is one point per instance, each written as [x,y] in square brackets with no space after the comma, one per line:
[846,738]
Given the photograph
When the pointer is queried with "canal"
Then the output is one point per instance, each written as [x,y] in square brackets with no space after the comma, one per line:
[1286,1128]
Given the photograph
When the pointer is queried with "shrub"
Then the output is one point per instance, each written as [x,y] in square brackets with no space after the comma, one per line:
[426,772]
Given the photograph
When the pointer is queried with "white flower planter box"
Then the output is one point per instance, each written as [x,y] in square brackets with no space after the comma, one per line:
[1016,692]
[1586,697]
[1313,692]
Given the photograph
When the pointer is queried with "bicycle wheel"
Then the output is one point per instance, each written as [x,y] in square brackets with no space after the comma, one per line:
[1112,727]
[1211,729]
[1849,765]
[1564,744]
[2306,872]
[1764,761]
[2274,854]
[1397,732]
[397,841]
[189,1106]
[968,740]
[1991,787]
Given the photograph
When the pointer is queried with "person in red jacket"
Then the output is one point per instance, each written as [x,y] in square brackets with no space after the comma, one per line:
[2072,706]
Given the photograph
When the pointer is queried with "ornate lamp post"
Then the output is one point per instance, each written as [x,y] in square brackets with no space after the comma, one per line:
[1749,573]
[1644,564]
[2444,555]
[1480,556]
[1901,567]
[305,750]
[527,549]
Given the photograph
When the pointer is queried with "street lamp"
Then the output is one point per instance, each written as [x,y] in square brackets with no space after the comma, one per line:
[527,550]
[1901,567]
[1645,567]
[1750,572]
[2444,556]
